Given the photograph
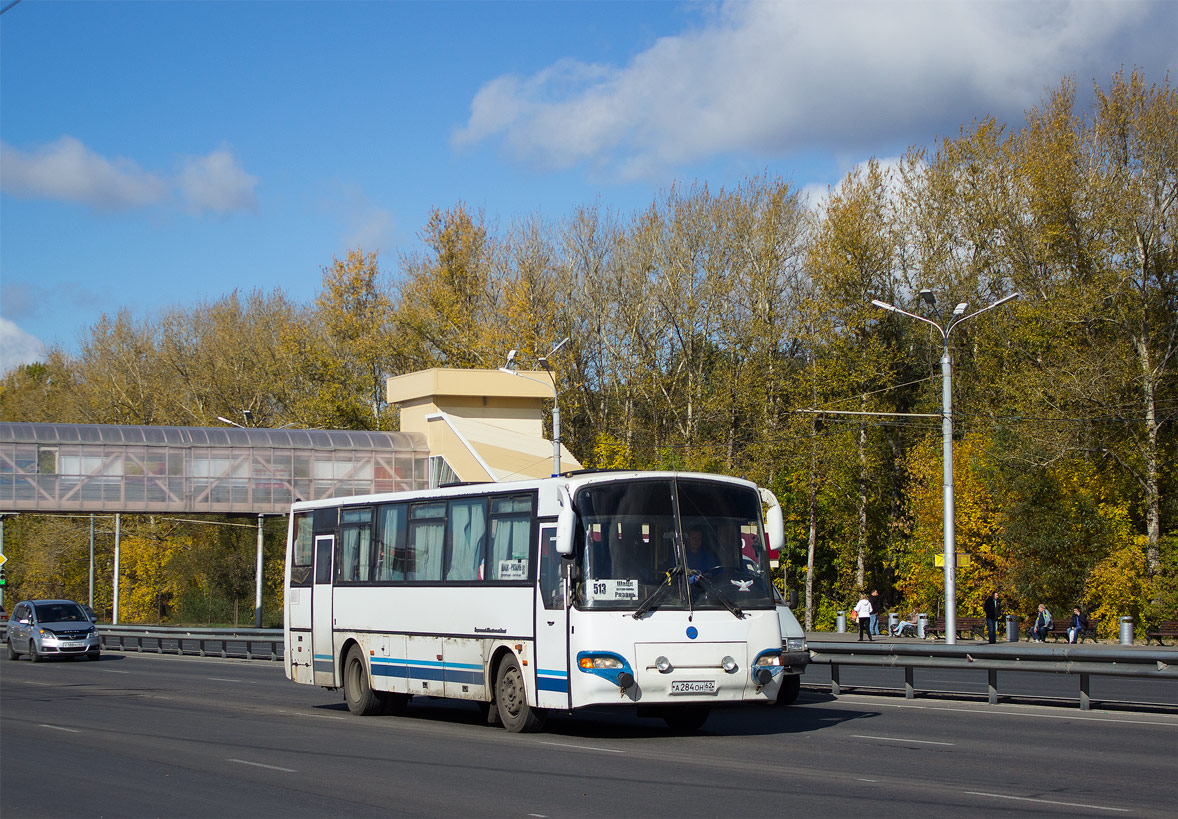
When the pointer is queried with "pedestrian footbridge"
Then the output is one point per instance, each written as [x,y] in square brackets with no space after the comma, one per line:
[211,470]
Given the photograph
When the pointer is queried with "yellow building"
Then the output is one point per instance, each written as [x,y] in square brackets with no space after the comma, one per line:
[480,425]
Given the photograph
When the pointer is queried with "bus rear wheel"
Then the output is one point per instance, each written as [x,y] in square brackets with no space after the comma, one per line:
[362,700]
[511,700]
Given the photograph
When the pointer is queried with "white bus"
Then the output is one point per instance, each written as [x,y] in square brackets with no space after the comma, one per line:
[650,589]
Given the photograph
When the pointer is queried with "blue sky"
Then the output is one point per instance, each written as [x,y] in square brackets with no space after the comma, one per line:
[157,154]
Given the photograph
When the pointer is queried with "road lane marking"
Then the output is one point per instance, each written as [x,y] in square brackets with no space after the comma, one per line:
[60,728]
[222,679]
[260,765]
[901,739]
[584,747]
[320,716]
[1047,801]
[112,671]
[999,711]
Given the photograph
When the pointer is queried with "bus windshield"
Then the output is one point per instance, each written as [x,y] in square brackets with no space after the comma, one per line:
[671,543]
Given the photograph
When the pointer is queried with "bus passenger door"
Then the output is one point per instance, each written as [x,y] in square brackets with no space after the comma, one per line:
[322,637]
[552,625]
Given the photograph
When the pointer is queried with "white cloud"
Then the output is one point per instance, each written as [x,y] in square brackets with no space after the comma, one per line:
[68,171]
[216,183]
[18,347]
[369,227]
[768,76]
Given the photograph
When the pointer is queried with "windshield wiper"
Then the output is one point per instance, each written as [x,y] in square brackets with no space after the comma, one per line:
[658,594]
[715,591]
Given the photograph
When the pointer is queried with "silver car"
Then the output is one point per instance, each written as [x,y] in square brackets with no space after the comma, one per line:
[52,628]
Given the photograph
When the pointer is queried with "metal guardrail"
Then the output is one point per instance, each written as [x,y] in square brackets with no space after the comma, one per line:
[1086,661]
[223,642]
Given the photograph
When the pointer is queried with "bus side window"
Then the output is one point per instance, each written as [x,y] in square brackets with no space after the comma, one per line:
[550,585]
[302,551]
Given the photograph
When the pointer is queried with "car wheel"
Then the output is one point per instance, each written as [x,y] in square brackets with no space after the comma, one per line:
[93,655]
[12,655]
[362,700]
[33,655]
[511,700]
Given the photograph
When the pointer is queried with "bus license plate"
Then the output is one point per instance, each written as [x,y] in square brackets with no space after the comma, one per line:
[693,686]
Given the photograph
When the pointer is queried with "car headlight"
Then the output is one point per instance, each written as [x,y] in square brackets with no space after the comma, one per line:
[46,634]
[795,644]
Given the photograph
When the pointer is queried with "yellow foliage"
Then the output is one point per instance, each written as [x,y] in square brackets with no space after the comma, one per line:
[977,529]
[1118,586]
[145,586]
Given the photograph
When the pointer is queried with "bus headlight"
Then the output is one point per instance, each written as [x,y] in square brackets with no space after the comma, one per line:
[767,666]
[608,665]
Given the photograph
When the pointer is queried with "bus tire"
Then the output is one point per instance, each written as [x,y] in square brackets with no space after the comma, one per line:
[791,684]
[361,699]
[511,700]
[686,719]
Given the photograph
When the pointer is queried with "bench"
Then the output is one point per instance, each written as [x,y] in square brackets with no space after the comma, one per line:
[973,626]
[1060,629]
[1167,628]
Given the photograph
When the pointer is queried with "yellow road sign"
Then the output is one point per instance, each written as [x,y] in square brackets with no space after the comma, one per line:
[962,560]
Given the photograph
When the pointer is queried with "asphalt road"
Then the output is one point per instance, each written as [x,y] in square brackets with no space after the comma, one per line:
[141,735]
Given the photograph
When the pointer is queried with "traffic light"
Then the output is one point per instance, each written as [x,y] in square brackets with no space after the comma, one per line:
[3,581]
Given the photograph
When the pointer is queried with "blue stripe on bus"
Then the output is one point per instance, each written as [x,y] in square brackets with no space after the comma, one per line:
[428,670]
[552,680]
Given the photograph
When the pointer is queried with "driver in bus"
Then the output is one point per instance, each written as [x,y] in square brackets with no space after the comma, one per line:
[699,556]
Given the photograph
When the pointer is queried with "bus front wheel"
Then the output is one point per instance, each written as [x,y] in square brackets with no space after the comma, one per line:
[511,700]
[362,700]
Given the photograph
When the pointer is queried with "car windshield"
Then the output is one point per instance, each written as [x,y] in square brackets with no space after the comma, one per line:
[60,613]
[649,543]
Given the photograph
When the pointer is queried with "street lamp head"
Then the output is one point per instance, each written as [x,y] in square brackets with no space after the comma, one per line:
[884,305]
[510,358]
[928,297]
[961,308]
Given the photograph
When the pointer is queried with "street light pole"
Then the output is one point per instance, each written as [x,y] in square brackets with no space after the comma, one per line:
[950,557]
[555,401]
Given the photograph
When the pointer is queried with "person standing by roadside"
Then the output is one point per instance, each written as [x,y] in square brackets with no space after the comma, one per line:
[993,609]
[876,607]
[863,611]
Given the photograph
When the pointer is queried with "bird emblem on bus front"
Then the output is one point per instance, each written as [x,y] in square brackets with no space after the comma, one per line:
[742,585]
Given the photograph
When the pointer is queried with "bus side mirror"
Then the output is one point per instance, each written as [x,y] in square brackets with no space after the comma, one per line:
[566,529]
[793,599]
[774,524]
[776,527]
